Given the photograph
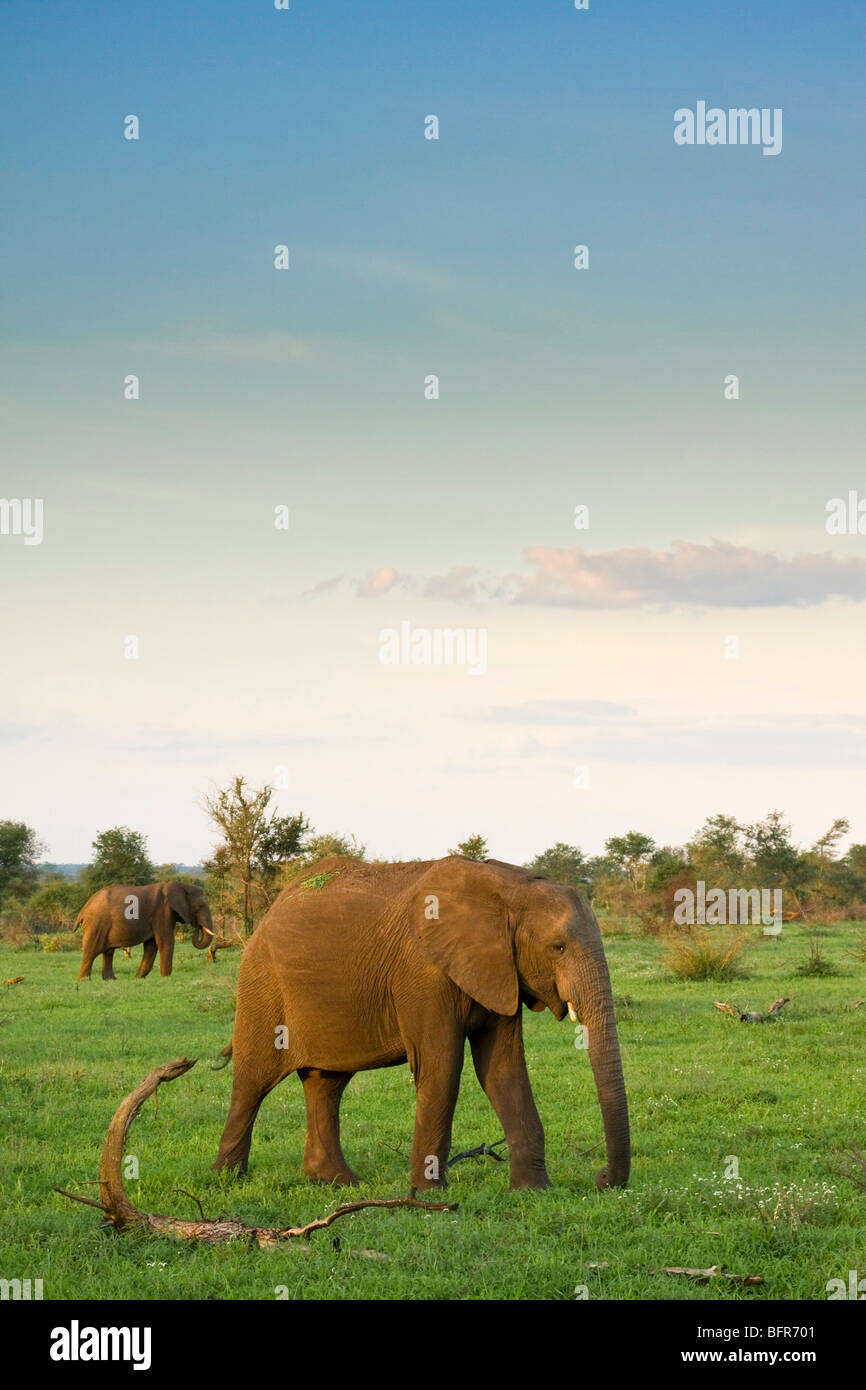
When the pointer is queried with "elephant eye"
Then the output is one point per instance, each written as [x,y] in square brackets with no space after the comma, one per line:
[559,947]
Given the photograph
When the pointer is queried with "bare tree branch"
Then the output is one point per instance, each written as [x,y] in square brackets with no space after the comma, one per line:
[482,1149]
[121,1213]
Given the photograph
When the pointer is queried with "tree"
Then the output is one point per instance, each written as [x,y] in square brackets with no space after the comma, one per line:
[254,842]
[324,845]
[20,847]
[283,839]
[826,847]
[561,864]
[717,852]
[665,864]
[774,858]
[856,859]
[602,870]
[632,852]
[473,848]
[119,856]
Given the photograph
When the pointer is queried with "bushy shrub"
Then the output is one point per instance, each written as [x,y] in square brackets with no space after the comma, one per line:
[15,932]
[817,963]
[55,905]
[60,941]
[701,953]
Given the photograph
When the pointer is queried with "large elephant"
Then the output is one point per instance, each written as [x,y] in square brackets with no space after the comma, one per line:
[122,916]
[360,966]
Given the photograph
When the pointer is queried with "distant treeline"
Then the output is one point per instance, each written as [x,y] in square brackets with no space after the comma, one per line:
[258,852]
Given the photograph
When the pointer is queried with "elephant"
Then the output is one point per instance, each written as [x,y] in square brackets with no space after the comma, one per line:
[360,966]
[119,916]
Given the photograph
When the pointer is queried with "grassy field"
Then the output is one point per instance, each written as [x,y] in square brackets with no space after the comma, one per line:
[780,1097]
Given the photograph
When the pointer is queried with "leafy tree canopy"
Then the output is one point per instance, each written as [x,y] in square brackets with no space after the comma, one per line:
[20,847]
[255,840]
[119,856]
[632,852]
[561,863]
[324,845]
[475,847]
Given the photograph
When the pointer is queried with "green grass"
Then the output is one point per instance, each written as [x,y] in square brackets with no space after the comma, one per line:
[701,1086]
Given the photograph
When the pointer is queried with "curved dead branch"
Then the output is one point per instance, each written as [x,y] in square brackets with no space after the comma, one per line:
[121,1213]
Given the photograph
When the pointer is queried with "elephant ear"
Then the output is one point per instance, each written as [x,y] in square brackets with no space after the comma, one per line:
[460,919]
[178,901]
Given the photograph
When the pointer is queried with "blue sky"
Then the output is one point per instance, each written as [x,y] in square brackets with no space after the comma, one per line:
[304,388]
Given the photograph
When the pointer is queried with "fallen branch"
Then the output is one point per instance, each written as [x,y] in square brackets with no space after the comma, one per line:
[223,942]
[703,1276]
[482,1149]
[121,1213]
[735,1011]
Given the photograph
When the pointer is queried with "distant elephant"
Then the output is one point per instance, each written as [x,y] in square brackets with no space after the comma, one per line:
[119,916]
[358,966]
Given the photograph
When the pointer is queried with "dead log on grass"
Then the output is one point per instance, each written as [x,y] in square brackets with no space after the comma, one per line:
[121,1213]
[735,1011]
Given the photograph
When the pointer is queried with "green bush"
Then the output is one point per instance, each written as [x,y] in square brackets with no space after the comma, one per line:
[55,905]
[704,954]
[817,964]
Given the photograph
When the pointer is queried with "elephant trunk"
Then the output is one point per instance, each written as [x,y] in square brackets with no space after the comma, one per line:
[203,932]
[597,1015]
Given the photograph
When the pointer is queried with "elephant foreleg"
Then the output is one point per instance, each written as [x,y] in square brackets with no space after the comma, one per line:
[437,1081]
[500,1066]
[166,953]
[108,964]
[323,1155]
[147,959]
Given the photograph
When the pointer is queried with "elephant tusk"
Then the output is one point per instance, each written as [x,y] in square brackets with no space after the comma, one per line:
[571,1011]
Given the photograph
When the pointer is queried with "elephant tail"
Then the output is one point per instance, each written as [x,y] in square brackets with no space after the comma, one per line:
[79,921]
[226,1052]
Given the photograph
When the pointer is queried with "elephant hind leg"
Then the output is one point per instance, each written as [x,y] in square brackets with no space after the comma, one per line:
[108,964]
[323,1154]
[88,956]
[247,1096]
[147,959]
[261,1061]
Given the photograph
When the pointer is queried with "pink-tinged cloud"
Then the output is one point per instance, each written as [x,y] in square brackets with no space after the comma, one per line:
[377,582]
[460,584]
[326,586]
[718,575]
